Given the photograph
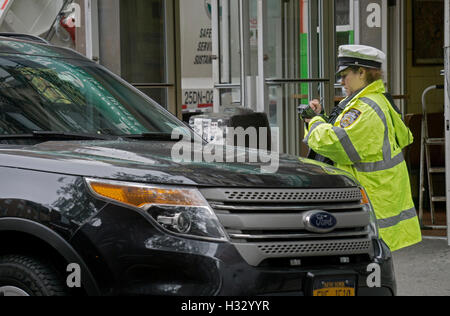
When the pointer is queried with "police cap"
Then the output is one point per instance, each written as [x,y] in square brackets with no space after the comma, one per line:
[360,56]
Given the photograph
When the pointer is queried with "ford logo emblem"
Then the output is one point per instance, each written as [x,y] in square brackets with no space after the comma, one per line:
[319,221]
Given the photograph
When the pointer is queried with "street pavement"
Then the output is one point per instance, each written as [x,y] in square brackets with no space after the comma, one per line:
[424,269]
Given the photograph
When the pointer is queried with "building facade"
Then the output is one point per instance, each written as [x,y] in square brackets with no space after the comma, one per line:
[269,55]
[196,56]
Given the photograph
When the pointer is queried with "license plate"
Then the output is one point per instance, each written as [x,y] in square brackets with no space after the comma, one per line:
[335,287]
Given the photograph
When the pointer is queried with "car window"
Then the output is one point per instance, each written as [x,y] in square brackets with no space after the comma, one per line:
[36,49]
[47,93]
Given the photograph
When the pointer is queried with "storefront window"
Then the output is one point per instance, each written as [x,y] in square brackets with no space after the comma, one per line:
[143,45]
[342,12]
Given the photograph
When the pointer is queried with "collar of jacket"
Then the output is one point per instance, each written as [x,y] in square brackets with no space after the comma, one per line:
[374,87]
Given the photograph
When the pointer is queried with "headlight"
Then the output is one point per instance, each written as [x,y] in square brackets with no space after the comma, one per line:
[365,202]
[182,211]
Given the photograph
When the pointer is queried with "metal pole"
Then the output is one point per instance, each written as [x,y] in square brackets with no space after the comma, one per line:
[244,28]
[262,97]
[92,39]
[215,52]
[447,111]
[328,51]
[225,42]
[313,47]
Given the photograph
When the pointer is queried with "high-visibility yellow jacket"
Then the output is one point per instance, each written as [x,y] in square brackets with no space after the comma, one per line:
[367,141]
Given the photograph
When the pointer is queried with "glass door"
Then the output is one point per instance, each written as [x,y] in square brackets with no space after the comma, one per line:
[271,56]
[299,62]
[148,49]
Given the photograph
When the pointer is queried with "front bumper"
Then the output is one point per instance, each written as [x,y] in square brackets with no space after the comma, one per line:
[128,255]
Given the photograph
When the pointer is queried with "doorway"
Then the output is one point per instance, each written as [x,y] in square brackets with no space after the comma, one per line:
[272,56]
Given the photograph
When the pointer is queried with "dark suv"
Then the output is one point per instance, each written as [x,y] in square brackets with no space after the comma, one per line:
[93,203]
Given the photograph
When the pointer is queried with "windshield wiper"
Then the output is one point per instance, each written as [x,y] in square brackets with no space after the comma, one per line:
[155,136]
[46,135]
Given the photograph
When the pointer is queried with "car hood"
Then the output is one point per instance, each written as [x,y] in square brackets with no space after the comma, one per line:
[151,162]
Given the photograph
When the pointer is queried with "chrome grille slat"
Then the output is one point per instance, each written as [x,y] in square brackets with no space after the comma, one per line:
[253,237]
[287,221]
[243,208]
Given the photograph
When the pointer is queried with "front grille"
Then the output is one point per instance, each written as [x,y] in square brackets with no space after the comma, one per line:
[285,195]
[315,248]
[265,224]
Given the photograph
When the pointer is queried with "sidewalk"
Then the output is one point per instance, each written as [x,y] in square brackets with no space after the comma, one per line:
[424,269]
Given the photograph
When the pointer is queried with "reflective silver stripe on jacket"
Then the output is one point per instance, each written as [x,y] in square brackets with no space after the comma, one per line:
[380,165]
[351,151]
[393,221]
[311,130]
[388,162]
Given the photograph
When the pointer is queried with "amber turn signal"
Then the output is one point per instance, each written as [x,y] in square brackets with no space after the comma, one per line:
[141,195]
[365,199]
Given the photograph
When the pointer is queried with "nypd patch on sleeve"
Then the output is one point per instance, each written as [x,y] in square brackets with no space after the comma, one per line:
[350,118]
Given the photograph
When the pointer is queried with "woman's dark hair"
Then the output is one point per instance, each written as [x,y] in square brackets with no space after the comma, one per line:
[372,74]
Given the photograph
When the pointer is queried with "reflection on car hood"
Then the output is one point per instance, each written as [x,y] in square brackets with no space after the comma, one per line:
[151,162]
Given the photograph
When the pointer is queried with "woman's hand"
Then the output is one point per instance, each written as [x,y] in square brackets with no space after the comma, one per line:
[316,106]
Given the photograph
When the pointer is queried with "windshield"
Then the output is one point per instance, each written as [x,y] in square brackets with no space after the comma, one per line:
[46,91]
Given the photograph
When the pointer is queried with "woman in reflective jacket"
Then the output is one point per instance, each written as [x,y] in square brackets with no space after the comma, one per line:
[367,140]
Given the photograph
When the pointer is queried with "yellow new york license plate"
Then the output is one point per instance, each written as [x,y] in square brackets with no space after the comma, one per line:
[335,288]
